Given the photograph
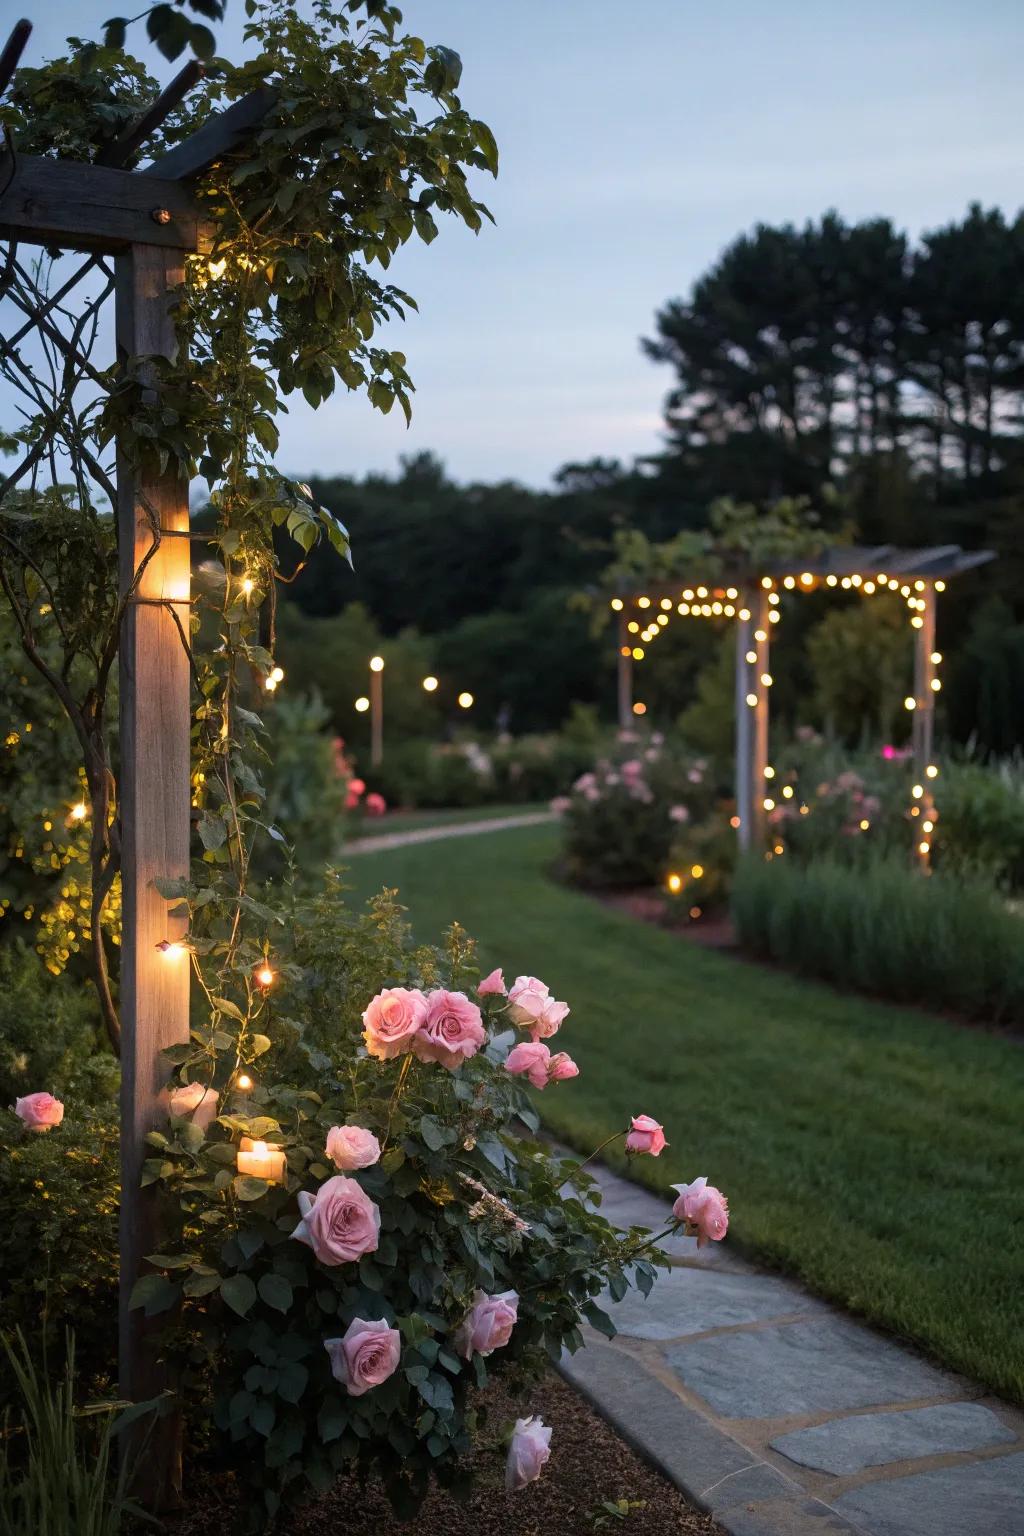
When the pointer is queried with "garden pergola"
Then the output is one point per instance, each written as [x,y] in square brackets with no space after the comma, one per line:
[752,600]
[149,222]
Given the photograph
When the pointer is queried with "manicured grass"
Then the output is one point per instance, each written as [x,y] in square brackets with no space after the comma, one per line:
[875,1152]
[413,821]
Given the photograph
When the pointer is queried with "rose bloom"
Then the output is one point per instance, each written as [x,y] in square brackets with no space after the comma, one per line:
[367,1354]
[561,1067]
[492,985]
[350,1146]
[39,1111]
[679,813]
[703,1206]
[197,1100]
[559,805]
[452,1029]
[527,997]
[531,1059]
[529,1450]
[549,1020]
[392,1020]
[340,1222]
[375,804]
[487,1325]
[646,1135]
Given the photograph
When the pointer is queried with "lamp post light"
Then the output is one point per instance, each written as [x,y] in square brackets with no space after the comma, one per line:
[376,709]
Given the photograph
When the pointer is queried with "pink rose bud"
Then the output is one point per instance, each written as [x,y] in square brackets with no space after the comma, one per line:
[492,985]
[704,1208]
[452,1029]
[392,1021]
[194,1099]
[487,1325]
[367,1354]
[340,1222]
[375,804]
[529,1450]
[39,1111]
[350,1146]
[532,1060]
[527,999]
[562,1067]
[646,1136]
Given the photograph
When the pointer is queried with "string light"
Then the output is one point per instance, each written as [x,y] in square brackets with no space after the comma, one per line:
[751,657]
[864,825]
[466,699]
[697,871]
[376,663]
[639,709]
[248,586]
[617,604]
[774,599]
[638,653]
[760,634]
[732,594]
[702,591]
[917,621]
[789,582]
[689,594]
[831,581]
[768,804]
[932,771]
[264,975]
[734,822]
[643,602]
[917,791]
[769,771]
[244,1082]
[430,683]
[923,848]
[666,602]
[766,679]
[744,614]
[362,704]
[787,792]
[79,811]
[773,617]
[909,703]
[936,685]
[752,700]
[633,627]
[695,913]
[170,948]
[766,582]
[936,658]
[940,586]
[674,883]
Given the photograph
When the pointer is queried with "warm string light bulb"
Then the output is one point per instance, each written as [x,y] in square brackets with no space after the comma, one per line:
[243,1082]
[466,699]
[79,811]
[171,948]
[248,586]
[376,663]
[430,683]
[265,976]
[674,883]
[617,604]
[362,705]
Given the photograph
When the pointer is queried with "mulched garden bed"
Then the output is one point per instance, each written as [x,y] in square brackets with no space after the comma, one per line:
[590,1466]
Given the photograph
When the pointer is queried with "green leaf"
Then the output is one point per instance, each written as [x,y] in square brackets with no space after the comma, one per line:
[225,1005]
[154,1293]
[239,1293]
[248,1187]
[292,1381]
[276,1292]
[260,1043]
[201,1285]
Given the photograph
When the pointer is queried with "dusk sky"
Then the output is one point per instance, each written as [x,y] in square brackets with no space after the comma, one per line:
[635,143]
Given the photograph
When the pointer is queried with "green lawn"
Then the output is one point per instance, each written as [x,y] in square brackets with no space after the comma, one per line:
[876,1153]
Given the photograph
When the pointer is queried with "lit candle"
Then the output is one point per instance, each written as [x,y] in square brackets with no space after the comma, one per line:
[261,1160]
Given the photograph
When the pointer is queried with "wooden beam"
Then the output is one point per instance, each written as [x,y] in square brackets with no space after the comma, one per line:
[75,206]
[220,135]
[923,722]
[759,756]
[625,676]
[744,746]
[136,133]
[154,812]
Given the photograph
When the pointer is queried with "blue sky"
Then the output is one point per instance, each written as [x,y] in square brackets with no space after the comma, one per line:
[636,142]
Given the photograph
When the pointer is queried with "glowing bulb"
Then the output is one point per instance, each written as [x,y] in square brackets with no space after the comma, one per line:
[769,804]
[760,634]
[675,883]
[751,657]
[730,611]
[466,699]
[170,948]
[689,594]
[617,604]
[789,582]
[909,703]
[769,772]
[806,578]
[639,709]
[932,771]
[270,684]
[845,583]
[744,614]
[918,586]
[940,586]
[773,617]
[774,598]
[864,825]
[869,587]
[430,684]
[923,848]
[917,622]
[766,679]
[244,1082]
[731,593]
[217,268]
[265,976]
[766,582]
[779,848]
[831,581]
[936,658]
[633,627]
[683,608]
[716,608]
[638,653]
[643,602]
[248,586]
[697,871]
[376,663]
[855,581]
[695,913]
[666,602]
[79,811]
[936,685]
[787,792]
[927,826]
[752,700]
[734,822]
[277,673]
[662,618]
[917,791]
[362,705]
[702,591]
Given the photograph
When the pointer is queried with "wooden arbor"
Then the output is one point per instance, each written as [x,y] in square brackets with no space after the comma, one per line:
[149,222]
[754,605]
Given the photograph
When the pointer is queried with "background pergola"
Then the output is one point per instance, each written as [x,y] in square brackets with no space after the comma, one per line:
[752,599]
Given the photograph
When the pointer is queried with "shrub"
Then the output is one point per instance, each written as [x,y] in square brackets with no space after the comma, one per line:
[465,1201]
[51,1035]
[885,928]
[981,822]
[621,817]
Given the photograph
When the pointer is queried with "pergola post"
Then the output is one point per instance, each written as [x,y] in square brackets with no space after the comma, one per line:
[154,577]
[923,724]
[625,676]
[760,690]
[744,760]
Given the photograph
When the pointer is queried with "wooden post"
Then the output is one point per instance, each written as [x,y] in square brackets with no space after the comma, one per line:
[376,711]
[923,724]
[154,816]
[761,669]
[625,676]
[744,746]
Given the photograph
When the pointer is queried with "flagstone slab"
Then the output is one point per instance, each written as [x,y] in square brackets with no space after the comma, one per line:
[980,1498]
[823,1365]
[845,1446]
[693,1300]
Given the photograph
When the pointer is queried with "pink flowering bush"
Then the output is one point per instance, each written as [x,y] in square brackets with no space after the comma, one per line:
[417,1240]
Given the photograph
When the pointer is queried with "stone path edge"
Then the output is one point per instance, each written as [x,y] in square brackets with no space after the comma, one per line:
[384,841]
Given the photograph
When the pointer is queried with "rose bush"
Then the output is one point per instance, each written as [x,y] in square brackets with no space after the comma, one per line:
[420,1238]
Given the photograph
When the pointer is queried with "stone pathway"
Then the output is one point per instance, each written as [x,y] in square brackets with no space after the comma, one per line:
[784,1417]
[386,840]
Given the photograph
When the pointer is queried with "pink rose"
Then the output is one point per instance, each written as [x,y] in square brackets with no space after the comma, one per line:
[529,1450]
[531,1059]
[527,999]
[492,985]
[549,1020]
[392,1021]
[197,1100]
[562,1066]
[646,1136]
[487,1325]
[366,1355]
[632,768]
[356,787]
[340,1222]
[39,1111]
[452,1029]
[559,805]
[679,813]
[375,805]
[350,1146]
[704,1208]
